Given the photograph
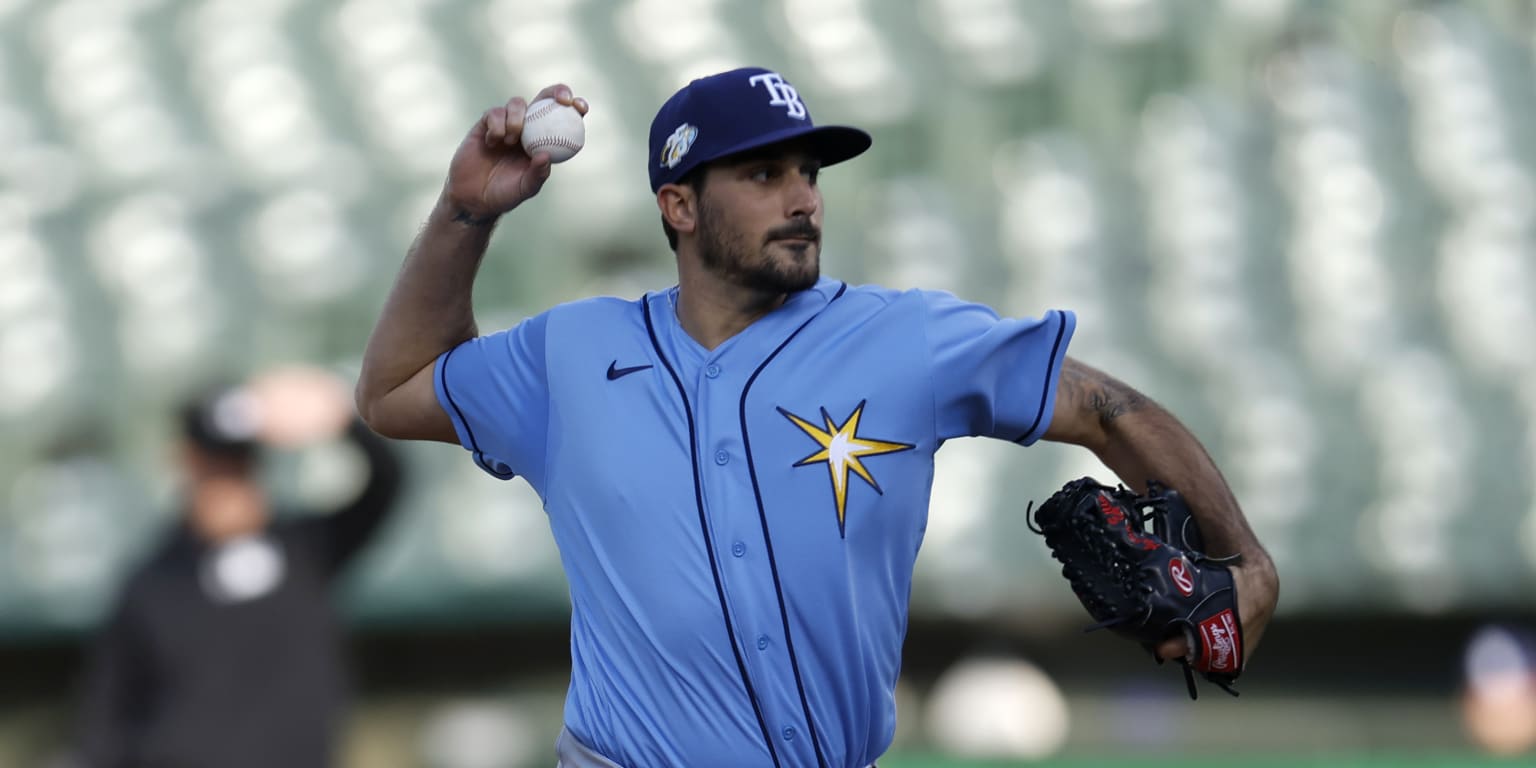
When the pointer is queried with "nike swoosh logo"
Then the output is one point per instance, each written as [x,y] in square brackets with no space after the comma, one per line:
[619,373]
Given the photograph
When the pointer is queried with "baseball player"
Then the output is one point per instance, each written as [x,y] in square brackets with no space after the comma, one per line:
[736,469]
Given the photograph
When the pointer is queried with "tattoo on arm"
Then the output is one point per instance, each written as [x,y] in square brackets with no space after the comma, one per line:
[463,216]
[1103,394]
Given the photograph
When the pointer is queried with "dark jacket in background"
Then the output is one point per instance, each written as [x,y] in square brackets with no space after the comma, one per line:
[181,679]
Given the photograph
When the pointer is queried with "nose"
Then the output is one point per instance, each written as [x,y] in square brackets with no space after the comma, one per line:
[802,199]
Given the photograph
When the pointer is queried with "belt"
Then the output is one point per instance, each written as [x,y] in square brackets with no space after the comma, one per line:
[571,753]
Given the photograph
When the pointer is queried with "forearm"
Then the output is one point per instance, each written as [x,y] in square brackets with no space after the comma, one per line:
[430,310]
[1149,444]
[1141,441]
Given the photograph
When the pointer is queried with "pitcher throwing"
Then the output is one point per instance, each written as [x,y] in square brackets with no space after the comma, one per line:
[736,469]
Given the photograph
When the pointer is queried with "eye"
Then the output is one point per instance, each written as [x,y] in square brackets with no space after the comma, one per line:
[812,172]
[761,174]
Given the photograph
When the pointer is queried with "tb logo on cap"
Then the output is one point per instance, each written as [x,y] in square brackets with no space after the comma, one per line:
[781,94]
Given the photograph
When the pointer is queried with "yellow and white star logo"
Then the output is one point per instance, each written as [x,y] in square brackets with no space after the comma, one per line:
[842,450]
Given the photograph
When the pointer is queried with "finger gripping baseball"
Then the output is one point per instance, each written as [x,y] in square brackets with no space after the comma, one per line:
[553,128]
[1137,564]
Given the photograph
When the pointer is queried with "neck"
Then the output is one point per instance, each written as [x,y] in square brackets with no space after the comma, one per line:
[215,536]
[712,310]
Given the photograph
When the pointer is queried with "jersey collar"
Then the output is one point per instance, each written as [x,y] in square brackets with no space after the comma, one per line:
[757,339]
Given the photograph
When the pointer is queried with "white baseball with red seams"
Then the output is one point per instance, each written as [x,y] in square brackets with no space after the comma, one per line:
[553,128]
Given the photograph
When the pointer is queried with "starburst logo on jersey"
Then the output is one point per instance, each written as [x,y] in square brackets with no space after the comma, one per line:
[843,450]
[678,145]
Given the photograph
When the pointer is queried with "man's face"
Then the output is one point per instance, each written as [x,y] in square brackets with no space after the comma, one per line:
[760,220]
[224,500]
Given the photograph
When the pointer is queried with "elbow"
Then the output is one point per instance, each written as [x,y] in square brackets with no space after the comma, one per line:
[404,410]
[379,420]
[366,401]
[403,413]
[383,425]
[372,411]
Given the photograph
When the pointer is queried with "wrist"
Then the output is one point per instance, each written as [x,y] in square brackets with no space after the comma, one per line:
[470,219]
[466,215]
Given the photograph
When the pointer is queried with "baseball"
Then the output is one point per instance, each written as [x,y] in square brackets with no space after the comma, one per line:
[554,128]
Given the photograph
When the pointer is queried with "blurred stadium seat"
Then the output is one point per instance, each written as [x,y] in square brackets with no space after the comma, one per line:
[1306,227]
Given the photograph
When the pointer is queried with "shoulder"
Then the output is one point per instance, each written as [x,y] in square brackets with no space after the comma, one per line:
[919,301]
[598,306]
[867,292]
[145,574]
[867,297]
[140,580]
[605,312]
[587,309]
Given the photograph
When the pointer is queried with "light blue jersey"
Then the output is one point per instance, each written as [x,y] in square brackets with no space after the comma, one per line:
[739,525]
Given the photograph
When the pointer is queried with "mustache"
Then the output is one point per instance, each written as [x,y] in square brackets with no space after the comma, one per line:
[803,230]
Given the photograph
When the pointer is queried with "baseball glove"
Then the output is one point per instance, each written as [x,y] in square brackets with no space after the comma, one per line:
[1146,583]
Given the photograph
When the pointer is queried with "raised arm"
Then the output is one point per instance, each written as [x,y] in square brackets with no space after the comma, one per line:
[1141,441]
[297,406]
[429,310]
[347,530]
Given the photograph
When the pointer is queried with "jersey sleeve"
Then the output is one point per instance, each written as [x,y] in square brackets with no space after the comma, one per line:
[495,389]
[994,376]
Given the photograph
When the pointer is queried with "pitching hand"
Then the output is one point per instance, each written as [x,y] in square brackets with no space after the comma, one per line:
[491,173]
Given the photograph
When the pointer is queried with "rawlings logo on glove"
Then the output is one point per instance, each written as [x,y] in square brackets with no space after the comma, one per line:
[1146,584]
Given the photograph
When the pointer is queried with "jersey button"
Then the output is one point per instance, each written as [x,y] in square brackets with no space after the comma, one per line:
[738,549]
[722,458]
[712,371]
[762,642]
[789,733]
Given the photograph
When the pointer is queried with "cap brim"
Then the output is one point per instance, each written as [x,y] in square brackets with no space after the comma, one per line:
[832,144]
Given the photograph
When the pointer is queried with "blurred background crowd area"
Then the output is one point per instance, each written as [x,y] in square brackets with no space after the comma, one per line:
[1305,227]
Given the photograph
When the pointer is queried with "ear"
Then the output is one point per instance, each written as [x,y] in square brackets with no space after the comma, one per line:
[679,207]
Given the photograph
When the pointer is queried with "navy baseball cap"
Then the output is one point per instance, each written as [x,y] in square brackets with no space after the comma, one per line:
[720,115]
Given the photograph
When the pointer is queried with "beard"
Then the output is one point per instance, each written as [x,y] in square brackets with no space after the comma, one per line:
[727,253]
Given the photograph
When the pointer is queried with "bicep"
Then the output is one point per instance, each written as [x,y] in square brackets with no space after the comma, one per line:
[412,411]
[1088,401]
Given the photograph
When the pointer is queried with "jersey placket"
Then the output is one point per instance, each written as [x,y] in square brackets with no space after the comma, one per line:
[737,535]
[712,383]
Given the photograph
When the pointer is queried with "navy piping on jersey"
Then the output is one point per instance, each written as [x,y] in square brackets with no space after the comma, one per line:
[762,516]
[1050,373]
[442,379]
[709,547]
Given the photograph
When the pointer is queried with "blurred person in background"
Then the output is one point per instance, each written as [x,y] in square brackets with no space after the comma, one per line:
[1498,698]
[224,649]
